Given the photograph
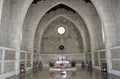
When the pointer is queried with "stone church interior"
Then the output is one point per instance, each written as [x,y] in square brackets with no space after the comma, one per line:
[59,39]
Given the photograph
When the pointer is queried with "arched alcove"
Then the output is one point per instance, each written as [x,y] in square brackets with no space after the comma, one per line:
[23,26]
[71,39]
[74,19]
[33,12]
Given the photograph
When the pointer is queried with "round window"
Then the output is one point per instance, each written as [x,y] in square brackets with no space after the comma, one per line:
[61,30]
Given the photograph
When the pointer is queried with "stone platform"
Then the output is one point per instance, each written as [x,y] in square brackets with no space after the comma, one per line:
[58,69]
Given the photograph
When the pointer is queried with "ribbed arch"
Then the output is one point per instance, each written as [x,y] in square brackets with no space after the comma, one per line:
[57,4]
[42,31]
[79,23]
[90,23]
[50,39]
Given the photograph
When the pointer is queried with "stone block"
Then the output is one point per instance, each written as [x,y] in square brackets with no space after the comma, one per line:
[116,65]
[88,56]
[96,62]
[9,55]
[102,54]
[9,66]
[28,63]
[115,53]
[96,55]
[22,55]
[35,56]
[28,55]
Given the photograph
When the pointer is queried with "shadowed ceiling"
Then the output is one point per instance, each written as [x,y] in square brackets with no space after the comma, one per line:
[36,1]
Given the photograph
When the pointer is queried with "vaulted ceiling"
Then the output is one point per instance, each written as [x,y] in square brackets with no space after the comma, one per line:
[77,14]
[36,1]
[95,19]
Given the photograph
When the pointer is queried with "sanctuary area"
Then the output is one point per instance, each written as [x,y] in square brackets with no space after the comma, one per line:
[59,39]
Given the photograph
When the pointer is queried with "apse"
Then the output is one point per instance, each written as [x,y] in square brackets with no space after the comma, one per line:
[70,39]
[29,31]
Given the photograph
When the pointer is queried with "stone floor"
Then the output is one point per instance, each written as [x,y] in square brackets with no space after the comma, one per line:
[79,74]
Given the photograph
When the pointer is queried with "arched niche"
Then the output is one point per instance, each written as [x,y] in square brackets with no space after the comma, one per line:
[71,39]
[86,11]
[79,23]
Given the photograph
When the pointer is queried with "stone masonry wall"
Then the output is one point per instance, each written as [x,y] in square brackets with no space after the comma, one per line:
[71,39]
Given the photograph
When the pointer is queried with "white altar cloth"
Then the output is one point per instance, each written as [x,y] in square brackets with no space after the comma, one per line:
[60,62]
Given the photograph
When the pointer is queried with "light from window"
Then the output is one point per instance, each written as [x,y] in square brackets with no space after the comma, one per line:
[61,30]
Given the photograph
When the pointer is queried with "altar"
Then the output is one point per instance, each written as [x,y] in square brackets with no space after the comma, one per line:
[60,65]
[62,62]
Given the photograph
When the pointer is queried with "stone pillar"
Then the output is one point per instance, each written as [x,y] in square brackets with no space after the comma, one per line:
[93,62]
[3,57]
[32,60]
[17,63]
[1,4]
[105,10]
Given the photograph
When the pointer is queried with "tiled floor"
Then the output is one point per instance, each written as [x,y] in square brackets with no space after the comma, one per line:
[79,74]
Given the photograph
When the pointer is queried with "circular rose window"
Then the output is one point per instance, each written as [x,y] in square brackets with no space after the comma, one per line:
[61,30]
